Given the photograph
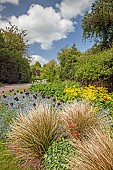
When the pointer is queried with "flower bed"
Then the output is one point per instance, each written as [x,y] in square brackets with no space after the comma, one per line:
[37,123]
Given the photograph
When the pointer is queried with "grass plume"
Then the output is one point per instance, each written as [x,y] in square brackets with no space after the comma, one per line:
[95,152]
[32,134]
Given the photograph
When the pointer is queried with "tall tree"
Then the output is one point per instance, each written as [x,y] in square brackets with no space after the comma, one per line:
[14,66]
[36,69]
[50,71]
[15,43]
[67,59]
[98,24]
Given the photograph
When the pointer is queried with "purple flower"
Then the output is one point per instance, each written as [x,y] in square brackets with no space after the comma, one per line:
[4,96]
[11,90]
[16,98]
[2,91]
[11,104]
[35,97]
[53,99]
[34,104]
[58,103]
[62,101]
[26,92]
[47,97]
[43,97]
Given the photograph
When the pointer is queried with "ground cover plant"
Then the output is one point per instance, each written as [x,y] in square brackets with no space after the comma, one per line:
[55,157]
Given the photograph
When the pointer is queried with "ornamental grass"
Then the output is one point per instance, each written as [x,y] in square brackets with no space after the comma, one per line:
[95,152]
[79,118]
[32,134]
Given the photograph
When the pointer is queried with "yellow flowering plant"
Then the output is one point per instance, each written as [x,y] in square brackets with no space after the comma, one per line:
[99,96]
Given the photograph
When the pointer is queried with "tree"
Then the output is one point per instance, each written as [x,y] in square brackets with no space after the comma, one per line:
[36,69]
[8,70]
[98,24]
[13,49]
[67,59]
[15,43]
[50,71]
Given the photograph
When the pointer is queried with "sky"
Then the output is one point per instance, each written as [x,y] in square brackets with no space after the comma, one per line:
[50,24]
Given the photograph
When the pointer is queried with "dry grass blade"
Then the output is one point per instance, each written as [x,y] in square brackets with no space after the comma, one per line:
[79,118]
[31,135]
[95,152]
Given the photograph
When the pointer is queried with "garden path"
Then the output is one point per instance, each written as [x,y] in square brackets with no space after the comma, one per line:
[6,88]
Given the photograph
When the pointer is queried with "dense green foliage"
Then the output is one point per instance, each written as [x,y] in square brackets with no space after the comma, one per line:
[35,69]
[98,24]
[56,156]
[96,67]
[9,70]
[14,66]
[55,90]
[91,67]
[50,71]
[67,59]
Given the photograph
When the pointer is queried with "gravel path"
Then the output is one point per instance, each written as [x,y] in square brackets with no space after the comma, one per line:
[13,86]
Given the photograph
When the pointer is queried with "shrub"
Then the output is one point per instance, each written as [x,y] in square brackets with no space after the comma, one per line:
[57,154]
[95,68]
[95,152]
[31,134]
[79,118]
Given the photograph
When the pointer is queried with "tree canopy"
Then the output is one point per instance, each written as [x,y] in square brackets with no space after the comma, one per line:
[14,64]
[36,69]
[67,59]
[98,24]
[50,71]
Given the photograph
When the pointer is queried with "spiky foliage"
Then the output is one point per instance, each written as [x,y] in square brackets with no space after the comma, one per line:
[78,118]
[95,152]
[32,134]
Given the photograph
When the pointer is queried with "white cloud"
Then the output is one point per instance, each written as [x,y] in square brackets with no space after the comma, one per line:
[40,59]
[16,2]
[44,25]
[72,8]
[3,23]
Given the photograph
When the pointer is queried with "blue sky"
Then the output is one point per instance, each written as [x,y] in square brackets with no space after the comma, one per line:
[50,24]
